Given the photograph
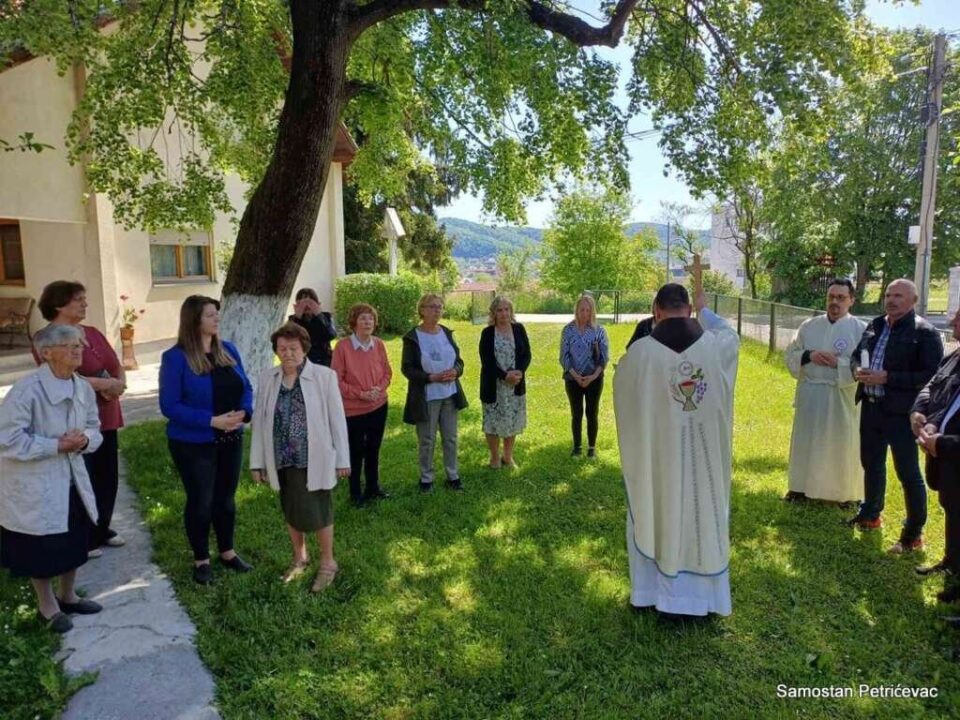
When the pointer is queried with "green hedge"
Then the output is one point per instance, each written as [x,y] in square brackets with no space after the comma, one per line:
[394,296]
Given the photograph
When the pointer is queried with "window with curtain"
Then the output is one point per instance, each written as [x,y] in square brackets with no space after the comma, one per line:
[179,257]
[11,254]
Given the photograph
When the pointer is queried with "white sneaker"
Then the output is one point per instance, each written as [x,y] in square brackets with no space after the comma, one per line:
[115,541]
[95,553]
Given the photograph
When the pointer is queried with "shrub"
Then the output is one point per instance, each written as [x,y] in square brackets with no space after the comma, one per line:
[456,306]
[394,296]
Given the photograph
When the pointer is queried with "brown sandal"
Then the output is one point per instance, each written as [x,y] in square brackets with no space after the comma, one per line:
[324,579]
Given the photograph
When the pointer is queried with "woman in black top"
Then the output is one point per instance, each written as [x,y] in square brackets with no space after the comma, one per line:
[504,359]
[319,325]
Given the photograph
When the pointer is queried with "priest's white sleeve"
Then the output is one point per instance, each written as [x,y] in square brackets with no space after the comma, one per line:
[728,350]
[794,354]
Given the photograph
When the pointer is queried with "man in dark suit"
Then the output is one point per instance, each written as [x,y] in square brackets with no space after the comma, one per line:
[935,421]
[904,352]
[643,328]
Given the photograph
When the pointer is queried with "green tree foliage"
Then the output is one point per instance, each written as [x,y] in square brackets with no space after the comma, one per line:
[585,246]
[508,96]
[684,243]
[503,94]
[515,268]
[852,193]
[715,281]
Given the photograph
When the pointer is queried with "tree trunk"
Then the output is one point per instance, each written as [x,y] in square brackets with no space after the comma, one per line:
[863,270]
[280,218]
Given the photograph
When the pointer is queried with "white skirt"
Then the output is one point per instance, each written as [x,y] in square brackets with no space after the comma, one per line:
[685,594]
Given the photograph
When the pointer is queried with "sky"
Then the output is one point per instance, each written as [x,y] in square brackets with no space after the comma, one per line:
[648,185]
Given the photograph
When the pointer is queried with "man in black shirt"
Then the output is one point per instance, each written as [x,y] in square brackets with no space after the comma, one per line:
[319,324]
[903,352]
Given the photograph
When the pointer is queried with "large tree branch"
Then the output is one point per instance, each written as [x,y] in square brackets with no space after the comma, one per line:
[574,29]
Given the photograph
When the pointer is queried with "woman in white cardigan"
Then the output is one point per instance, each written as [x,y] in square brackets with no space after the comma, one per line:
[47,506]
[299,446]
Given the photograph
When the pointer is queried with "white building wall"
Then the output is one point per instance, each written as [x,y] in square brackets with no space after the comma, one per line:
[64,238]
[38,186]
[724,256]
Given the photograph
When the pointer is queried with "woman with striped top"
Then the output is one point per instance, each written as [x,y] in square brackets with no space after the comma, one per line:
[584,353]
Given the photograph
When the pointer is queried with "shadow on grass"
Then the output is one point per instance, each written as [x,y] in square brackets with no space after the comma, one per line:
[509,600]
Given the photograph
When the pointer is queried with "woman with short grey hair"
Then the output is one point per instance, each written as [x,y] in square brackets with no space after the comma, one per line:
[48,420]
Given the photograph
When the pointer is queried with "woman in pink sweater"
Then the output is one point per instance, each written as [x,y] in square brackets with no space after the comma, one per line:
[363,370]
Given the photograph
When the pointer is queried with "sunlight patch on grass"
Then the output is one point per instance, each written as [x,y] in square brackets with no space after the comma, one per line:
[459,595]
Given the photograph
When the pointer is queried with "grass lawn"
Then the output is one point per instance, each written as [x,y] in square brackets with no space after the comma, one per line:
[509,600]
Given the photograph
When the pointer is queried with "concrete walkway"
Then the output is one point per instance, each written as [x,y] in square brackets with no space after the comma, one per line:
[141,645]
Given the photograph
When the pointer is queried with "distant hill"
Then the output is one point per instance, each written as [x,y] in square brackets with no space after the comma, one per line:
[475,241]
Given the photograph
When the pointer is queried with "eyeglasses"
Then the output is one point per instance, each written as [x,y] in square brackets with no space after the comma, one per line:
[69,346]
[433,307]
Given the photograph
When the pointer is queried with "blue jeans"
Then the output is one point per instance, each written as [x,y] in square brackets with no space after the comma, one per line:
[877,432]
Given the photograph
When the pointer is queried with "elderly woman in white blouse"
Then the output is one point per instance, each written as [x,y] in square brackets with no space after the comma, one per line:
[47,506]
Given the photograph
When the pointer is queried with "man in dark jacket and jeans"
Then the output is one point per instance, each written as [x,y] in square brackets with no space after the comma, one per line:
[904,351]
[936,423]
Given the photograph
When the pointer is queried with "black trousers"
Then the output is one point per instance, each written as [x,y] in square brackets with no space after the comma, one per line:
[589,396]
[951,523]
[878,431]
[103,467]
[365,433]
[210,473]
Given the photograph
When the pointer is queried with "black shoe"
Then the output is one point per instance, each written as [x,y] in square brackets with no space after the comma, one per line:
[426,488]
[940,567]
[81,607]
[950,594]
[591,452]
[59,623]
[794,496]
[575,452]
[358,502]
[951,620]
[203,574]
[237,564]
[378,494]
[455,484]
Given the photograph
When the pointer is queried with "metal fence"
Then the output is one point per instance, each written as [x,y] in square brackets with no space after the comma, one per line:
[774,324]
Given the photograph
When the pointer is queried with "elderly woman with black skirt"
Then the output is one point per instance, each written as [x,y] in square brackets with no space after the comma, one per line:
[64,302]
[300,447]
[48,421]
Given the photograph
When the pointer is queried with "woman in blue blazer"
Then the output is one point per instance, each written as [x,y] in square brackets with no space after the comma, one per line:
[207,398]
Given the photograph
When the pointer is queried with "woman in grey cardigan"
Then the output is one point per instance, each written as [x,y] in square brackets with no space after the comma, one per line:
[47,506]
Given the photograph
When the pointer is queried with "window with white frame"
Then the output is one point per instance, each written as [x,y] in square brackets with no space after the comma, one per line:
[181,257]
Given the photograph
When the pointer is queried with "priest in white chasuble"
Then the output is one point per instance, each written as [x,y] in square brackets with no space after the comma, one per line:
[825,445]
[673,398]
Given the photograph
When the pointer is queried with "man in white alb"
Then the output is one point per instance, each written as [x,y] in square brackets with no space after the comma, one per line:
[825,447]
[673,398]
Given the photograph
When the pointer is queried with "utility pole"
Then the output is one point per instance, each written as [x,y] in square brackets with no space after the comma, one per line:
[931,147]
[669,279]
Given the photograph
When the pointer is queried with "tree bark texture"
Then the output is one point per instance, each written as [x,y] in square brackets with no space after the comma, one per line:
[280,218]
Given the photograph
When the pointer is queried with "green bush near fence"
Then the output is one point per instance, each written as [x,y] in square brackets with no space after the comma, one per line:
[394,296]
[457,306]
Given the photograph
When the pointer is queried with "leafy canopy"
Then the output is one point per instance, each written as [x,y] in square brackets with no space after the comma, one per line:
[476,88]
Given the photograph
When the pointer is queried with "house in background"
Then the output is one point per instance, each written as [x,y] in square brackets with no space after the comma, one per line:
[53,228]
[724,255]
